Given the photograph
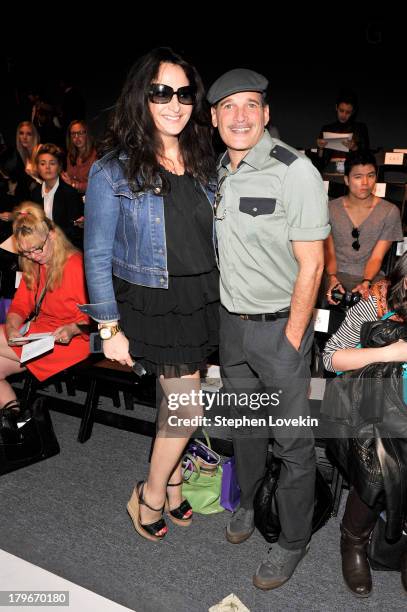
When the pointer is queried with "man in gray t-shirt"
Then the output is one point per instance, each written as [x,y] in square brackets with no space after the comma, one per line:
[271,220]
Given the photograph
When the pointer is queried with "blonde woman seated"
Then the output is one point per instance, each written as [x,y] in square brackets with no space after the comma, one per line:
[19,168]
[363,229]
[51,267]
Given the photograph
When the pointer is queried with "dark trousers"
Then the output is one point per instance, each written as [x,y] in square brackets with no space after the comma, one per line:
[256,357]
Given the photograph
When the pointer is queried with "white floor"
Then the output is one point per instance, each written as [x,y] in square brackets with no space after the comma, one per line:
[19,575]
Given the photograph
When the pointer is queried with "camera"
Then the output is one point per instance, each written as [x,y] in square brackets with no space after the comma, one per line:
[346,299]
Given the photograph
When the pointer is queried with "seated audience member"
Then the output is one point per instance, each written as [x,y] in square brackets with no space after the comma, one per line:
[346,111]
[363,229]
[44,122]
[341,354]
[18,165]
[81,155]
[61,202]
[52,286]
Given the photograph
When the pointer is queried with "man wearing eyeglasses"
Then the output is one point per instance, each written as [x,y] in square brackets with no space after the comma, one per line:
[271,219]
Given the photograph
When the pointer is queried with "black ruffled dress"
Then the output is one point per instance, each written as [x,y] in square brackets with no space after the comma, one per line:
[173,331]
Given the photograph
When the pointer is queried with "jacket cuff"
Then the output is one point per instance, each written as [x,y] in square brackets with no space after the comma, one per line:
[105,311]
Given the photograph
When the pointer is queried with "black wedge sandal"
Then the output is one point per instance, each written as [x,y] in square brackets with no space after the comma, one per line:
[150,530]
[177,515]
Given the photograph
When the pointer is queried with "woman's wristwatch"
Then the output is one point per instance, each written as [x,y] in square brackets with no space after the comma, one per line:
[108,330]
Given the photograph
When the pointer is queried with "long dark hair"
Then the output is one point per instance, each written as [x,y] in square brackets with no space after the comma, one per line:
[397,293]
[132,130]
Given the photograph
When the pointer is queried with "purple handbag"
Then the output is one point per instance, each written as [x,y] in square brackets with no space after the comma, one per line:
[230,490]
[4,306]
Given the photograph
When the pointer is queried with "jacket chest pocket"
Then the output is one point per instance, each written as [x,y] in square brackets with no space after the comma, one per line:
[257,206]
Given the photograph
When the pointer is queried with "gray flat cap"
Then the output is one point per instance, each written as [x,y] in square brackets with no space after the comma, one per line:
[235,81]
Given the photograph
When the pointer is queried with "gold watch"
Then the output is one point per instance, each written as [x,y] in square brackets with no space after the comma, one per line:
[107,331]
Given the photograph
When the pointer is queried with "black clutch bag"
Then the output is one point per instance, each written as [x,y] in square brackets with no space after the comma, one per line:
[266,516]
[32,440]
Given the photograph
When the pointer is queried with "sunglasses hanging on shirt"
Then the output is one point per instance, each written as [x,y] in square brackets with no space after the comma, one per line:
[355,234]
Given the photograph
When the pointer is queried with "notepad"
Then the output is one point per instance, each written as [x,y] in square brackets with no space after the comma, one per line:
[29,338]
[336,141]
[38,347]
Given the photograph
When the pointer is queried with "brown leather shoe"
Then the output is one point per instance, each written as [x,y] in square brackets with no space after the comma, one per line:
[404,570]
[355,566]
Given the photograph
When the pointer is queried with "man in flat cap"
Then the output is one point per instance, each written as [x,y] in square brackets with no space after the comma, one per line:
[271,220]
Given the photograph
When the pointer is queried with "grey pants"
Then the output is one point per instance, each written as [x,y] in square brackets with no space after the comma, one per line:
[256,356]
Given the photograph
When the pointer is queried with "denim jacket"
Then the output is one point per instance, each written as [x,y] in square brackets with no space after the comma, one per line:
[124,234]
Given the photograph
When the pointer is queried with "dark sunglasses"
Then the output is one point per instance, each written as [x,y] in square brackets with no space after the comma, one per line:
[356,243]
[162,94]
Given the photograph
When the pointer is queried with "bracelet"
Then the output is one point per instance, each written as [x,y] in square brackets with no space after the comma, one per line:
[367,280]
[331,273]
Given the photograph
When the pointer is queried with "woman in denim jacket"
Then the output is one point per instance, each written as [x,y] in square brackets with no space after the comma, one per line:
[149,220]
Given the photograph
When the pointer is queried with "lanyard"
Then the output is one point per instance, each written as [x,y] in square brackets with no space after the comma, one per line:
[34,313]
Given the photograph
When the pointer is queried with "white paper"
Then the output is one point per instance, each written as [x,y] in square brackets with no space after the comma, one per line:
[321,319]
[401,247]
[29,338]
[336,141]
[229,604]
[38,347]
[380,190]
[317,388]
[393,159]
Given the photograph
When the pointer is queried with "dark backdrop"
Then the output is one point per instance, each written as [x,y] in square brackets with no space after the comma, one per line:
[306,57]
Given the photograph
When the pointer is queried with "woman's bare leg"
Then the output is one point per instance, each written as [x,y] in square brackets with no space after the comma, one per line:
[165,463]
[9,364]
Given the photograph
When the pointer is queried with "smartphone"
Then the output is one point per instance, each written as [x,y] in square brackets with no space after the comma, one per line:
[95,343]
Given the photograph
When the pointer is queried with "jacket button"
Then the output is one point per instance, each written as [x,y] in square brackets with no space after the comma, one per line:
[157,220]
[157,190]
[255,209]
[162,280]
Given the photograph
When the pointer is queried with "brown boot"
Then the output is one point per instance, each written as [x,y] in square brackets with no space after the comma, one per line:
[355,566]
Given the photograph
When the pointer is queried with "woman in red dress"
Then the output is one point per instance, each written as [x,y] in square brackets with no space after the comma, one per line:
[48,260]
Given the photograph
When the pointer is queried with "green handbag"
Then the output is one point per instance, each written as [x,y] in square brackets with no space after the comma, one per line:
[201,489]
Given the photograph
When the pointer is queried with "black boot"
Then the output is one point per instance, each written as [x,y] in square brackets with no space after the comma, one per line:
[355,566]
[358,522]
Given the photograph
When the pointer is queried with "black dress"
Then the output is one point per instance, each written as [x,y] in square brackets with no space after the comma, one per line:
[173,331]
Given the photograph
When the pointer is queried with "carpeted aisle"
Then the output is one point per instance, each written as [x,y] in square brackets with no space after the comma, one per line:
[68,515]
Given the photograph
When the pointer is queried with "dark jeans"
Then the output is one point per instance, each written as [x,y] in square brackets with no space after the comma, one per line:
[256,357]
